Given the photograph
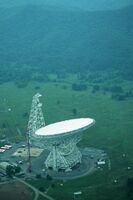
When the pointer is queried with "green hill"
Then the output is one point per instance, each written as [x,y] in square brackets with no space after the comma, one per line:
[53,40]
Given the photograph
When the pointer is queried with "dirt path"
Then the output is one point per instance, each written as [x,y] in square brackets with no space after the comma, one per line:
[36,191]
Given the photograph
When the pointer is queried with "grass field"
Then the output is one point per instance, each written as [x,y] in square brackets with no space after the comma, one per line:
[112,131]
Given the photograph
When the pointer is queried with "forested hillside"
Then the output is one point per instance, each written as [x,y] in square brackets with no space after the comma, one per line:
[41,39]
[71,4]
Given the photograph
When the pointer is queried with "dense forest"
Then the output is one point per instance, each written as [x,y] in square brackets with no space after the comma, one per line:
[71,4]
[36,40]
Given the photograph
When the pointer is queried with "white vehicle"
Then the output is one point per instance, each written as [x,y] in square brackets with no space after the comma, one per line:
[2,150]
[7,146]
[101,162]
[23,145]
[20,162]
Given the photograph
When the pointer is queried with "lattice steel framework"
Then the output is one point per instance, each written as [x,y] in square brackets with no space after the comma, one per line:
[36,119]
[64,154]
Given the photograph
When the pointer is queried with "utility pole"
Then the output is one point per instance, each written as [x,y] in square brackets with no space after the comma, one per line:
[29,153]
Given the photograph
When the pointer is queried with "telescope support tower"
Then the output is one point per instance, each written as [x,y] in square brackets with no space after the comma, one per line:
[36,121]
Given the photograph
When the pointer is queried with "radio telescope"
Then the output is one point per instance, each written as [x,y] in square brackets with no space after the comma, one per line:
[61,140]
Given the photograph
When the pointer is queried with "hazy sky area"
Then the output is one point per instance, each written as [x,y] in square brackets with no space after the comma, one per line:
[80,4]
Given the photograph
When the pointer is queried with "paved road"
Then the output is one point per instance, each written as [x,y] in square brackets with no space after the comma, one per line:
[36,191]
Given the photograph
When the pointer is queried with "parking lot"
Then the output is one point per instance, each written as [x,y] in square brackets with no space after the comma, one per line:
[18,154]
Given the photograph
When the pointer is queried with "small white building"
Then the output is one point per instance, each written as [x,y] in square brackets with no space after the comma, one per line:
[77,195]
[101,162]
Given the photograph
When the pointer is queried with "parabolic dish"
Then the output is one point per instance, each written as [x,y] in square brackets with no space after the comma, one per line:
[67,126]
